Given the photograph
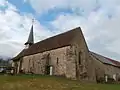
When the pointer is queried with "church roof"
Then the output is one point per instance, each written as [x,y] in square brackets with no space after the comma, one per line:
[117,63]
[105,60]
[54,42]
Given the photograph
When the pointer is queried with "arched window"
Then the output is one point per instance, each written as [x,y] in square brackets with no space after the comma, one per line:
[48,59]
[57,60]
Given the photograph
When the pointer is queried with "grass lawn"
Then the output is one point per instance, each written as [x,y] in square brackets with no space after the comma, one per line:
[29,82]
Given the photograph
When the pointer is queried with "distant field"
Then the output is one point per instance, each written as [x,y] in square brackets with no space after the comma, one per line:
[26,82]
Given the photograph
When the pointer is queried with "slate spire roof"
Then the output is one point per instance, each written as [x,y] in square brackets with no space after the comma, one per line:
[30,40]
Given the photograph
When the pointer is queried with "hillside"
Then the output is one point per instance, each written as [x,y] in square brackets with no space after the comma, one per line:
[49,83]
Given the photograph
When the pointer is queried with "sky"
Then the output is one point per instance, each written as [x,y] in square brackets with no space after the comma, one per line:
[99,20]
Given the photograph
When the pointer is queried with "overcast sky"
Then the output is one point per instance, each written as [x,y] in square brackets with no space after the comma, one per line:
[99,20]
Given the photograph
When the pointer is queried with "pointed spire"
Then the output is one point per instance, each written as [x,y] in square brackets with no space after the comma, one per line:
[31,37]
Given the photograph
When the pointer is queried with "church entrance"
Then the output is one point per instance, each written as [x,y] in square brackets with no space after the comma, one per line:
[49,70]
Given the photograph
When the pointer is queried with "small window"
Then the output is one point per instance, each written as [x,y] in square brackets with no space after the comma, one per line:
[29,61]
[57,60]
[79,58]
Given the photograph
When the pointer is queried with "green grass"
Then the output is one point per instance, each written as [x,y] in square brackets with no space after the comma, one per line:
[36,82]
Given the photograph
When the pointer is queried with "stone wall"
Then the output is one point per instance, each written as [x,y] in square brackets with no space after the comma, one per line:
[112,70]
[16,65]
[102,69]
[84,67]
[99,68]
[71,62]
[61,59]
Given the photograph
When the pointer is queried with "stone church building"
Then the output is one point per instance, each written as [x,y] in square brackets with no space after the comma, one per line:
[67,55]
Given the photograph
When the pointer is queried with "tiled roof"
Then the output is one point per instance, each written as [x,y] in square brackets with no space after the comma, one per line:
[114,61]
[105,60]
[57,41]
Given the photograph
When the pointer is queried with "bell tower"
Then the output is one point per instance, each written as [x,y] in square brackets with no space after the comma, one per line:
[30,40]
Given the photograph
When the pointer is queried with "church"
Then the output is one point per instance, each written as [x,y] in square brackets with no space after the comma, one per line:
[67,55]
